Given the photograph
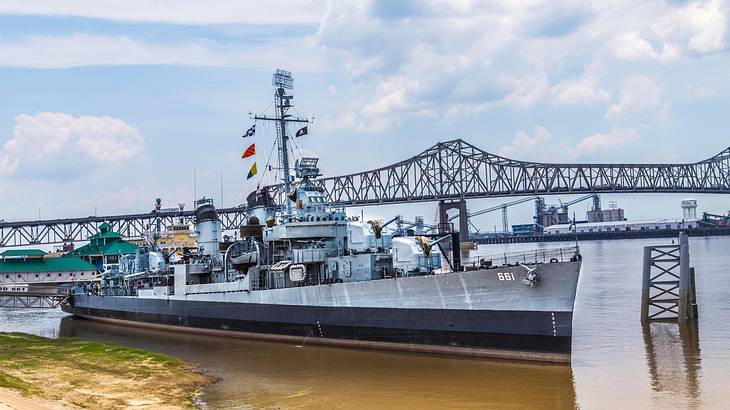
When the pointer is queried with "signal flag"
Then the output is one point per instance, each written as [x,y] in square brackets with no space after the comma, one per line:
[302,132]
[250,151]
[250,132]
[252,172]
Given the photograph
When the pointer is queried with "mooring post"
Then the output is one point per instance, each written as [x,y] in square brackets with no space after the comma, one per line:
[645,285]
[684,277]
[693,310]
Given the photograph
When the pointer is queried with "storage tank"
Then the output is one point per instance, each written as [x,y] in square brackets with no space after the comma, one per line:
[689,209]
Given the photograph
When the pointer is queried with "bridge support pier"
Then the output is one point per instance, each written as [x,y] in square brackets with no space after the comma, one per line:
[460,205]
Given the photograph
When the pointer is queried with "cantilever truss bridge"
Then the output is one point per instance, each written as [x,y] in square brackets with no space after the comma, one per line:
[458,170]
[79,229]
[453,170]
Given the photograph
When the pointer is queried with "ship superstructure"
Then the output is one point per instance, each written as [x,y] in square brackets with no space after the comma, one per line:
[309,272]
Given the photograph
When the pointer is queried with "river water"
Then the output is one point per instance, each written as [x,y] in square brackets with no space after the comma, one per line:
[617,362]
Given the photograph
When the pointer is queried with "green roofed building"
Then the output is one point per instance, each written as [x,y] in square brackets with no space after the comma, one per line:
[105,247]
[26,266]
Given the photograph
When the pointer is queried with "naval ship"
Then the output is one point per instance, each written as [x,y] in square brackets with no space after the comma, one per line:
[307,273]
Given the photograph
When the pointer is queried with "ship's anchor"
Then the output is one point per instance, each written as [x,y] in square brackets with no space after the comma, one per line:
[533,278]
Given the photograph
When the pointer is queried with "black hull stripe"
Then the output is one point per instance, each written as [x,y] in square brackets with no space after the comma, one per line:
[528,323]
[487,353]
[472,343]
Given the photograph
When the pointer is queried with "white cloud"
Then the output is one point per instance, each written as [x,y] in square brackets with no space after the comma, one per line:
[81,49]
[47,142]
[391,94]
[478,56]
[541,146]
[7,164]
[631,46]
[638,93]
[526,91]
[702,25]
[600,141]
[581,90]
[174,11]
[524,145]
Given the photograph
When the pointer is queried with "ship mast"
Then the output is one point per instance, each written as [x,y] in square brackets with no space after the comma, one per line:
[282,79]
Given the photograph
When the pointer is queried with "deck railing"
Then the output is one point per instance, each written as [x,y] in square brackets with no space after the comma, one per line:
[530,257]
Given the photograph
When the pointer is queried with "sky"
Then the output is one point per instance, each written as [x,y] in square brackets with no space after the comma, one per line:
[107,105]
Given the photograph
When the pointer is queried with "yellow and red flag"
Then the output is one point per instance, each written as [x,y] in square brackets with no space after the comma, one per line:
[250,151]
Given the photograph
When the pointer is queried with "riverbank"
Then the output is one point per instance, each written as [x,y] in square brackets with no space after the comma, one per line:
[77,373]
[604,235]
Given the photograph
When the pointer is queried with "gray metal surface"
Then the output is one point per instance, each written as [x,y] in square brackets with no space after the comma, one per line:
[475,290]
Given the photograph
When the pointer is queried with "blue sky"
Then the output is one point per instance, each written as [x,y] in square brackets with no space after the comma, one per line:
[105,106]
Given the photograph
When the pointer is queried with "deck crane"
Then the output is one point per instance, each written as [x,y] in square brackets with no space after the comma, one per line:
[503,207]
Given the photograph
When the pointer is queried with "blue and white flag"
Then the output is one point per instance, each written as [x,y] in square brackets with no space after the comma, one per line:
[251,131]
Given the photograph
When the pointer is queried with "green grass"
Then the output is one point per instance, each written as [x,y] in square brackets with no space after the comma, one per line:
[26,359]
[33,349]
[12,382]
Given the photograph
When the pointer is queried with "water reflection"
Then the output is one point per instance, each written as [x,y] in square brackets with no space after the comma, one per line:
[616,363]
[262,374]
[674,361]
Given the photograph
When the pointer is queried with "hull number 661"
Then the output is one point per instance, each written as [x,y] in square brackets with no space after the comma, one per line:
[505,276]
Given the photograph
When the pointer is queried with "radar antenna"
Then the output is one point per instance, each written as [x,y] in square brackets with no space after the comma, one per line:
[282,80]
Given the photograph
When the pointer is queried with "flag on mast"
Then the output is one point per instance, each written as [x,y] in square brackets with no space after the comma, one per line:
[250,132]
[252,171]
[250,151]
[302,132]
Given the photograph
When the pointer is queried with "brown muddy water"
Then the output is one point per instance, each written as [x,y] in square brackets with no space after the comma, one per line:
[617,363]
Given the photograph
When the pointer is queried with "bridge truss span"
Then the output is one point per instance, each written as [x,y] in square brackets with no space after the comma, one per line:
[452,170]
[459,170]
[130,226]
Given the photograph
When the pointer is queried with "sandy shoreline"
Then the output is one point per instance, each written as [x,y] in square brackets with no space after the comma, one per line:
[12,400]
[70,373]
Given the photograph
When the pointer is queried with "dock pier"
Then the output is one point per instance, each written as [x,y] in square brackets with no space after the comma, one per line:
[668,283]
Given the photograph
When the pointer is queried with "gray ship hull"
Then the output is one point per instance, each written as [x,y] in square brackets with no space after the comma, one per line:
[488,313]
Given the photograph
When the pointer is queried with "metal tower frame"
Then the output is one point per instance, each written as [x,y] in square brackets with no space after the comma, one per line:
[448,171]
[455,170]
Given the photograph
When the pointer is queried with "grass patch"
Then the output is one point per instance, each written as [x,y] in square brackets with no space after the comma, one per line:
[95,374]
[12,382]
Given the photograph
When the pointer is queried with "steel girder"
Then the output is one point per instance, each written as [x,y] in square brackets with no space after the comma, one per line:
[457,169]
[80,229]
[448,170]
[32,301]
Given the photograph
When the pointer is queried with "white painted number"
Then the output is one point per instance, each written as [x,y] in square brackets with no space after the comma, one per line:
[505,276]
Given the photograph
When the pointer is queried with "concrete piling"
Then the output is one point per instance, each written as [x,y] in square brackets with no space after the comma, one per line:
[684,273]
[646,285]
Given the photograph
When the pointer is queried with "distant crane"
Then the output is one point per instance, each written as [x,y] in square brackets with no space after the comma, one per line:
[596,202]
[556,214]
[503,207]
